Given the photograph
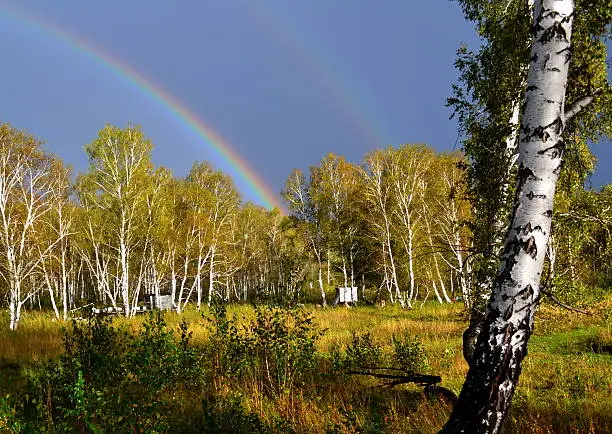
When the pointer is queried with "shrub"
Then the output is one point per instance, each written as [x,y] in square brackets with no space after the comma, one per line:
[228,415]
[409,354]
[9,420]
[281,344]
[276,350]
[362,352]
[108,380]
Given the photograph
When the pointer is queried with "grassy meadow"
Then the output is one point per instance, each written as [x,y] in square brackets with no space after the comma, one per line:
[566,384]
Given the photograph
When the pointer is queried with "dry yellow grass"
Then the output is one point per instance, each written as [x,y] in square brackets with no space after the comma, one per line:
[566,385]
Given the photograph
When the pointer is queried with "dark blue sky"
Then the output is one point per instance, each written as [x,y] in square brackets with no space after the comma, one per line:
[285,82]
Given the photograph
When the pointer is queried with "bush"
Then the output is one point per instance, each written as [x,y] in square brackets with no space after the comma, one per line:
[409,354]
[109,380]
[362,352]
[275,351]
[9,420]
[227,415]
[281,344]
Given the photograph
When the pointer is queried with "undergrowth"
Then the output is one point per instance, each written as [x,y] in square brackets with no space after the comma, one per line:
[240,369]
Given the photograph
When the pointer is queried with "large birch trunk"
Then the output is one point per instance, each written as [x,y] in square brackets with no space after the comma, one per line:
[502,344]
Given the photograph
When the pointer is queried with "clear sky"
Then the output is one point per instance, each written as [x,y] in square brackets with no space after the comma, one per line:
[282,82]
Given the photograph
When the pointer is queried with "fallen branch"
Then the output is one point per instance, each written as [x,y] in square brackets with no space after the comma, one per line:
[429,382]
[563,305]
[406,377]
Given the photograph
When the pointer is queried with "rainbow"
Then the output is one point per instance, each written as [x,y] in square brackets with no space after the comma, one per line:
[255,184]
[312,57]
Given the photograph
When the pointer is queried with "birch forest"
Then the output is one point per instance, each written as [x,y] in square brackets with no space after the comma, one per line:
[125,229]
[397,225]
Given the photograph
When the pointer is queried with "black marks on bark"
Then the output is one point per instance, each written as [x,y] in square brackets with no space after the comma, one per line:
[527,229]
[529,247]
[556,150]
[557,125]
[542,131]
[532,87]
[510,250]
[508,312]
[525,293]
[526,173]
[531,195]
[546,59]
[522,241]
[557,30]
[522,175]
[548,213]
[537,27]
[568,54]
[539,132]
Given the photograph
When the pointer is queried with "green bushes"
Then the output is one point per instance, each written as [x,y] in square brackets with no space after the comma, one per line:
[409,354]
[272,370]
[404,352]
[275,351]
[110,380]
[9,420]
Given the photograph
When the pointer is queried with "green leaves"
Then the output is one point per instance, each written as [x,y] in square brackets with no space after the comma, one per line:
[110,380]
[276,349]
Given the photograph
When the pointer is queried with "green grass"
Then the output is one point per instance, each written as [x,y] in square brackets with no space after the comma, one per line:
[566,384]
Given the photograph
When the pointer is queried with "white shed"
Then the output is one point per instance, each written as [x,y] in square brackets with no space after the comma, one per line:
[346,294]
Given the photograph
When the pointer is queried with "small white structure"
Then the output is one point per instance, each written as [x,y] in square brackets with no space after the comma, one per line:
[346,294]
[163,302]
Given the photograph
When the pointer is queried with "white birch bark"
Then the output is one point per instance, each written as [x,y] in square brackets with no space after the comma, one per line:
[502,345]
[378,196]
[25,189]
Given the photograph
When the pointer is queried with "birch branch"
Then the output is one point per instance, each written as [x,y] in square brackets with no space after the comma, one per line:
[563,305]
[581,104]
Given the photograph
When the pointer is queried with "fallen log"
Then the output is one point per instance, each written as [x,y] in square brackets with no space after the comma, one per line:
[429,382]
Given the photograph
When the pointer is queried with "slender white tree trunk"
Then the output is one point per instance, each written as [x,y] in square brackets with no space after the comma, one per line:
[321,287]
[52,295]
[64,283]
[15,314]
[124,283]
[502,344]
[211,275]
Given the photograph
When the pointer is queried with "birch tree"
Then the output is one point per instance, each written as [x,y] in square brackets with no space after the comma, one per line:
[501,346]
[154,230]
[379,199]
[334,186]
[58,264]
[487,99]
[447,215]
[408,170]
[216,204]
[250,248]
[26,188]
[120,168]
[307,212]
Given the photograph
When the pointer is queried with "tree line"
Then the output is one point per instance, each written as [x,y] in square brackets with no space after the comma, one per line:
[399,224]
